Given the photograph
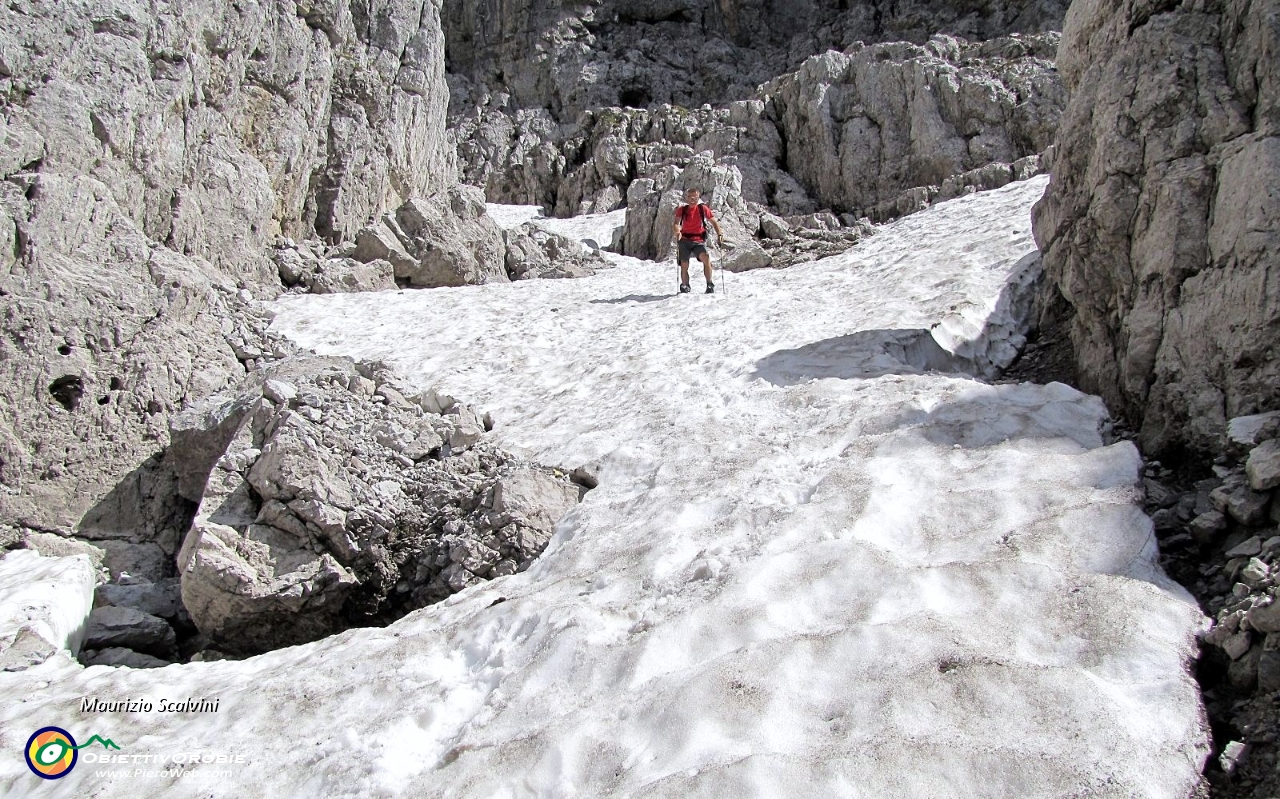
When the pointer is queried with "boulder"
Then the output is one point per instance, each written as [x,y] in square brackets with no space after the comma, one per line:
[536,253]
[346,504]
[129,628]
[1265,618]
[347,275]
[1246,432]
[446,239]
[533,498]
[1242,504]
[1206,526]
[163,599]
[261,588]
[1263,466]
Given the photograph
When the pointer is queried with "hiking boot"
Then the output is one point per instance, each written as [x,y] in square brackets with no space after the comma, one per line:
[711,287]
[684,288]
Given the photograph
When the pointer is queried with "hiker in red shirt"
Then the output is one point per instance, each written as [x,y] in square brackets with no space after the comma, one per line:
[690,230]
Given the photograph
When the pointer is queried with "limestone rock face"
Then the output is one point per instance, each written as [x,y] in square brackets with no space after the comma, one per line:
[330,496]
[587,167]
[105,333]
[638,53]
[848,132]
[218,127]
[1162,221]
[863,125]
[149,154]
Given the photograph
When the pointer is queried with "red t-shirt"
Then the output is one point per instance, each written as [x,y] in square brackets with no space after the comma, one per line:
[691,219]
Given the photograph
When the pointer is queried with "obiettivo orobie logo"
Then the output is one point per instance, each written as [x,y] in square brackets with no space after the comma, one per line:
[51,752]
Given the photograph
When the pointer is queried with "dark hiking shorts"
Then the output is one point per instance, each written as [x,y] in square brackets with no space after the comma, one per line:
[688,248]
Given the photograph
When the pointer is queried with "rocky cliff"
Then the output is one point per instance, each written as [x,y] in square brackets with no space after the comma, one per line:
[148,156]
[1161,226]
[571,57]
[875,131]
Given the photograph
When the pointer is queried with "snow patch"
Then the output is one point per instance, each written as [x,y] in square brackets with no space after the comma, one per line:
[869,580]
[52,597]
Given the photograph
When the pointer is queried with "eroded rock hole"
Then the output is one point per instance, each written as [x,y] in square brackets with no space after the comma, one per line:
[67,390]
[635,97]
[679,17]
[64,350]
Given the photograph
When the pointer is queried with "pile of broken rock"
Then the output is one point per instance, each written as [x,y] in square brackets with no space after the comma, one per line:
[1220,537]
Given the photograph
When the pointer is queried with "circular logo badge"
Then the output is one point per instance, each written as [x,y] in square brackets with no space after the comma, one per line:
[51,752]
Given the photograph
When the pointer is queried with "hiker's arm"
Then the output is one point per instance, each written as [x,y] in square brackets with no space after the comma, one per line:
[715,223]
[675,228]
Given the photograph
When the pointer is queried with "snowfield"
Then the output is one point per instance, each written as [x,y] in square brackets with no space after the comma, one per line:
[813,567]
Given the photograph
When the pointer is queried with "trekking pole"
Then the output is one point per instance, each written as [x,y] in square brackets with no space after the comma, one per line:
[724,287]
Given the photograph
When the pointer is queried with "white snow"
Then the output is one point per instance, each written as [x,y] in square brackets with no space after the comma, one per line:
[812,568]
[50,596]
[596,227]
[513,216]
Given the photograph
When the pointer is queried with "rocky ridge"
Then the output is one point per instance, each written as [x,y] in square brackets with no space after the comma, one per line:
[872,133]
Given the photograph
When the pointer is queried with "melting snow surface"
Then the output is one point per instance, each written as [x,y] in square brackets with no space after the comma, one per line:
[49,597]
[811,568]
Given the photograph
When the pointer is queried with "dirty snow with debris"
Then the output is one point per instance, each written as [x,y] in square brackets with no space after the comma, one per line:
[813,566]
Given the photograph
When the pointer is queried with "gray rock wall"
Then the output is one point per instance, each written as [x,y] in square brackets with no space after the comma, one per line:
[846,131]
[1161,226]
[572,57]
[149,154]
[864,125]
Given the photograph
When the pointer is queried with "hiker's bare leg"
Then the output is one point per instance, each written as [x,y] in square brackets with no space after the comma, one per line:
[684,273]
[706,267]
